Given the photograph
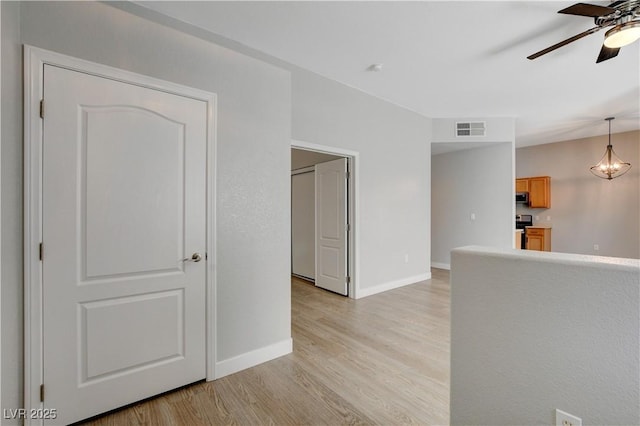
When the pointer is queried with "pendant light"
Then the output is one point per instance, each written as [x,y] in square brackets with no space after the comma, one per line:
[610,166]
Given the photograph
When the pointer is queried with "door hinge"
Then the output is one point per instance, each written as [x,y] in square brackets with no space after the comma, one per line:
[347,175]
[41,393]
[41,250]
[348,227]
[348,279]
[41,108]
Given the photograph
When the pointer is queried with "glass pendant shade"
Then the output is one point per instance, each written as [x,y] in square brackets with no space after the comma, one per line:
[610,165]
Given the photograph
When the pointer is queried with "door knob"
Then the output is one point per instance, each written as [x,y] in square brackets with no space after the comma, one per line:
[194,258]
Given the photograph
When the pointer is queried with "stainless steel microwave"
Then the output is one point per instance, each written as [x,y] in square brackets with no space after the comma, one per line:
[522,197]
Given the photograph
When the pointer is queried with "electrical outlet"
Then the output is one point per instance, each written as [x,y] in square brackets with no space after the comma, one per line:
[566,419]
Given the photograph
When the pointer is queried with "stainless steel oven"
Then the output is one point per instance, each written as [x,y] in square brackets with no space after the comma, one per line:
[522,221]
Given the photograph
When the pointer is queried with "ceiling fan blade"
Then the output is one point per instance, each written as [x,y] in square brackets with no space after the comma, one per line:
[585,9]
[563,43]
[607,53]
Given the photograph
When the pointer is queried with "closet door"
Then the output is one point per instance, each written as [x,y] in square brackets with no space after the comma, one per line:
[303,233]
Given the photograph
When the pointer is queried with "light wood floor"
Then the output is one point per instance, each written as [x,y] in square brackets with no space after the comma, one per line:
[381,360]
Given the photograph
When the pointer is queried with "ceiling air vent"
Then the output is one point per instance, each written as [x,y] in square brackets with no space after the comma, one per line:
[473,128]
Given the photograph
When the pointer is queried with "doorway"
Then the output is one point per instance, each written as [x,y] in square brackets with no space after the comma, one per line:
[324,217]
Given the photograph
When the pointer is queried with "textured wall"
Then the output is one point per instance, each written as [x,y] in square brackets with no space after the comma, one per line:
[253,160]
[394,192]
[462,184]
[11,232]
[534,331]
[393,144]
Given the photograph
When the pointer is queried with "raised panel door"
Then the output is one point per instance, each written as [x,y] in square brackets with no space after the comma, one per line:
[331,225]
[124,202]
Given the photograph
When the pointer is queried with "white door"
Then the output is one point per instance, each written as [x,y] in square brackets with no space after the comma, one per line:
[331,225]
[124,202]
[303,225]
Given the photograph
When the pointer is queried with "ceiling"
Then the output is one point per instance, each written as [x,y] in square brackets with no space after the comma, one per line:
[463,59]
[301,158]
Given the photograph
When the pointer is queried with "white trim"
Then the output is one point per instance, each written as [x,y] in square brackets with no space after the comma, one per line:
[354,206]
[364,292]
[1,144]
[253,358]
[513,186]
[33,361]
[439,265]
[325,149]
[34,61]
[212,242]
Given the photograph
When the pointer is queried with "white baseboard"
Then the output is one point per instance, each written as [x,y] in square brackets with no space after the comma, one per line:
[253,358]
[441,265]
[364,292]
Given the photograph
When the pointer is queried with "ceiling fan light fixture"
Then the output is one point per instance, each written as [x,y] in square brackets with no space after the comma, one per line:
[622,34]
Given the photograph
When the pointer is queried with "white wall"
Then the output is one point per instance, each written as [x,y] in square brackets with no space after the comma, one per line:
[475,176]
[253,160]
[11,225]
[586,210]
[393,144]
[535,331]
[477,182]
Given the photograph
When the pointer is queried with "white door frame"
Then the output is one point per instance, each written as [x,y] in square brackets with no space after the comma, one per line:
[34,61]
[353,203]
[0,207]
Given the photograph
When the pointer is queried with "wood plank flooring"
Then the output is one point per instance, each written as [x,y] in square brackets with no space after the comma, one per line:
[380,360]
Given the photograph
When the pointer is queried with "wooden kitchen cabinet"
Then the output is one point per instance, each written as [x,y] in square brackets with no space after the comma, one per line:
[539,189]
[538,238]
[540,192]
[522,185]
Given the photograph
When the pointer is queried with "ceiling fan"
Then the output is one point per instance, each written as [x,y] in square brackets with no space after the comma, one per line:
[622,15]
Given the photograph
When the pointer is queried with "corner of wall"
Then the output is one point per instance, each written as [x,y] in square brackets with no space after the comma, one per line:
[253,358]
[441,265]
[370,291]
